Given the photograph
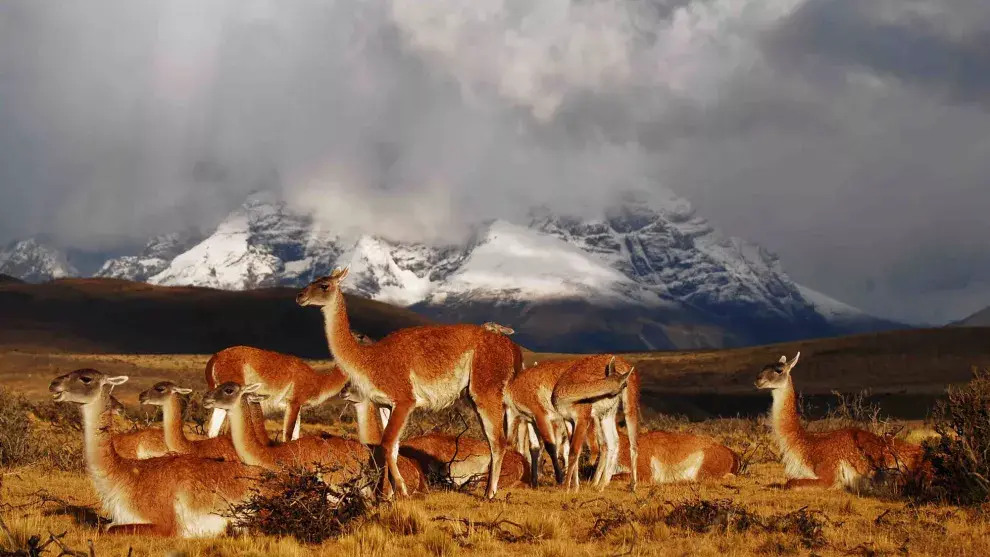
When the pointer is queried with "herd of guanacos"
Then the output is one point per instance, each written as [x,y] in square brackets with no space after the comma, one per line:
[159,482]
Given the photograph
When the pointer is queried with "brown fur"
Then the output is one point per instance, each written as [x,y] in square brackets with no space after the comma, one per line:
[173,495]
[469,458]
[345,457]
[841,458]
[143,443]
[577,391]
[167,395]
[421,367]
[279,374]
[668,450]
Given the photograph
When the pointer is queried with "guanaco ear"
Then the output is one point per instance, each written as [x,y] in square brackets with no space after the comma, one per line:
[790,365]
[256,397]
[181,390]
[610,368]
[783,359]
[339,273]
[251,388]
[119,380]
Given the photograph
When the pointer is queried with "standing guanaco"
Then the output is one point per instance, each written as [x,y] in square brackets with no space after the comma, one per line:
[580,392]
[174,495]
[289,381]
[845,458]
[420,367]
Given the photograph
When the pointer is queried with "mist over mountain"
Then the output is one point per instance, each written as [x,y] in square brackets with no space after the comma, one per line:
[639,275]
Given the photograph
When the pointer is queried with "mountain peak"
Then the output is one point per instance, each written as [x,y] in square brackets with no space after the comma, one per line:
[644,272]
[35,260]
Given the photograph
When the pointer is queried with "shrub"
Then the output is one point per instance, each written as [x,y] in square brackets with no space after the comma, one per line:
[960,457]
[723,515]
[16,431]
[298,503]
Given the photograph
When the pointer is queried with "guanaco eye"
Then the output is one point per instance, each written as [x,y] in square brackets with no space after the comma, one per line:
[324,287]
[86,380]
[229,391]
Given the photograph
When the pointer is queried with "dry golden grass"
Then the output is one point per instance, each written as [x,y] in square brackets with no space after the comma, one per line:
[545,522]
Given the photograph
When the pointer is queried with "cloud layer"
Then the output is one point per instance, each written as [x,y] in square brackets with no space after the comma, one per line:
[850,136]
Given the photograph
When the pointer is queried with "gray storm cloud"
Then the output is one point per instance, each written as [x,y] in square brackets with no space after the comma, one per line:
[851,137]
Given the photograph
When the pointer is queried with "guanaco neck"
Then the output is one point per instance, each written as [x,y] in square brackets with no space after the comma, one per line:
[346,350]
[102,459]
[784,417]
[258,424]
[249,449]
[175,438]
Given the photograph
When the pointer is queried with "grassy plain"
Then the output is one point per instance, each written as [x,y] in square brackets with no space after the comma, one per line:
[545,522]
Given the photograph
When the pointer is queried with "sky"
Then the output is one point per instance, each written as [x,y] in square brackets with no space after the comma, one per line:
[850,137]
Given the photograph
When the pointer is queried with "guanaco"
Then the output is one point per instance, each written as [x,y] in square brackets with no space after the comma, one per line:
[577,392]
[420,367]
[289,381]
[143,443]
[173,495]
[666,457]
[845,458]
[345,457]
[167,395]
[461,459]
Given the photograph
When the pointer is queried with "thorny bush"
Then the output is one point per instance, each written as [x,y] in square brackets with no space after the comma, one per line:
[44,434]
[298,503]
[960,458]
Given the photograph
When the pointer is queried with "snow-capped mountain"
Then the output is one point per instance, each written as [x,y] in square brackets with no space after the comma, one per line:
[156,256]
[35,260]
[259,244]
[640,275]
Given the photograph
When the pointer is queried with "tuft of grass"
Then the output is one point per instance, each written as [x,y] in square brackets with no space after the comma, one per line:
[401,519]
[439,544]
[543,528]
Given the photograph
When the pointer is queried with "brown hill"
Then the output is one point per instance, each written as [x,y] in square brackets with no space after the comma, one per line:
[109,315]
[905,372]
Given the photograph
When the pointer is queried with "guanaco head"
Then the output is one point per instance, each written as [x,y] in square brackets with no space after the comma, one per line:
[321,291]
[362,338]
[228,394]
[776,375]
[161,392]
[621,367]
[82,386]
[116,407]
